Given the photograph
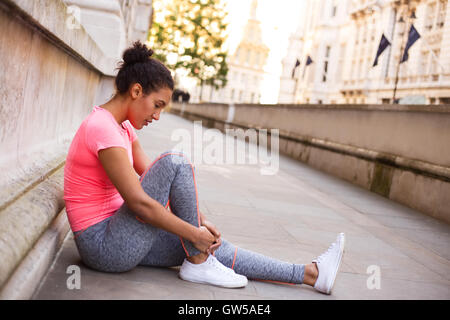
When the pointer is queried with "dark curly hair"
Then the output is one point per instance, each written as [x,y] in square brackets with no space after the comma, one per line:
[139,67]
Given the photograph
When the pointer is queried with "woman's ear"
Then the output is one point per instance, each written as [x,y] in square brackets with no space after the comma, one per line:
[136,91]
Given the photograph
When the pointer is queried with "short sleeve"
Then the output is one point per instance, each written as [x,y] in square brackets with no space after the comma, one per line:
[131,133]
[103,135]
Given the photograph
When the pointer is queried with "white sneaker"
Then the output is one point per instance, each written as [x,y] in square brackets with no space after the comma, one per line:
[212,272]
[328,265]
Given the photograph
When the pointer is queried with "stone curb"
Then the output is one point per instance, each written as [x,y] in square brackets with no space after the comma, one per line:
[29,274]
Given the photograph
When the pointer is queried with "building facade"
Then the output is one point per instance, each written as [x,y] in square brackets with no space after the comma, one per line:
[246,68]
[341,38]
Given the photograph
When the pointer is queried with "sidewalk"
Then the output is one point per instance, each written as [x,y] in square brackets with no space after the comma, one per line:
[293,216]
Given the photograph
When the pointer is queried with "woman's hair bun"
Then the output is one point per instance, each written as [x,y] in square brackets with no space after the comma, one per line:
[137,53]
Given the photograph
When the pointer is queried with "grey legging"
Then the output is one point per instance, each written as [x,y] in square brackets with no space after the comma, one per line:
[122,241]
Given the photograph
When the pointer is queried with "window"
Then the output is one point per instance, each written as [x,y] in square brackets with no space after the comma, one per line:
[441,14]
[256,60]
[434,63]
[238,52]
[364,34]
[430,15]
[341,62]
[247,60]
[325,70]
[360,70]
[358,28]
[325,64]
[353,70]
[334,8]
[423,63]
[373,31]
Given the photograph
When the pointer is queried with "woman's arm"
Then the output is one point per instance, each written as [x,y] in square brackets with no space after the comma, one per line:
[140,160]
[119,170]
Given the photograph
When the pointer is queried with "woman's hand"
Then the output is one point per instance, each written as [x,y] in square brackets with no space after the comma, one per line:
[204,239]
[215,232]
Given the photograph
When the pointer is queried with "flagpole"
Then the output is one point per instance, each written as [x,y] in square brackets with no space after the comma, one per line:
[296,86]
[308,62]
[401,53]
[398,66]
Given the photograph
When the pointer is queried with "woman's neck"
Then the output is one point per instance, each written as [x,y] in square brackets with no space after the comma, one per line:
[118,108]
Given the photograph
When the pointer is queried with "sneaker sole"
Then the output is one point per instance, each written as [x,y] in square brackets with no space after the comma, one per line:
[222,285]
[342,250]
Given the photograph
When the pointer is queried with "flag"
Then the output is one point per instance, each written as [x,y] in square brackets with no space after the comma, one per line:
[413,36]
[384,43]
[297,63]
[308,62]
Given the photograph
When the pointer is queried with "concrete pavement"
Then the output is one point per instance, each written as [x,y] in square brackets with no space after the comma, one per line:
[293,215]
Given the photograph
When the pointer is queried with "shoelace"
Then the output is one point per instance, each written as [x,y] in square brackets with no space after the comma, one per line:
[322,256]
[220,267]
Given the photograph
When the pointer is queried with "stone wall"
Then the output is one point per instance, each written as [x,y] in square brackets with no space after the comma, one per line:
[400,152]
[52,74]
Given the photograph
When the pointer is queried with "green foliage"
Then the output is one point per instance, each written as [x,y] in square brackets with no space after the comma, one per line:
[190,34]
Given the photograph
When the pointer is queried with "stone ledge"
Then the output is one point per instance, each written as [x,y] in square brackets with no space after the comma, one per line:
[29,274]
[26,219]
[416,166]
[12,188]
[358,107]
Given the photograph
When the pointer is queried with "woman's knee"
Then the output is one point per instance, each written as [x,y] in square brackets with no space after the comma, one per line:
[174,159]
[169,160]
[176,156]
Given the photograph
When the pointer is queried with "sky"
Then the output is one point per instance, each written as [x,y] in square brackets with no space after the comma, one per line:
[279,18]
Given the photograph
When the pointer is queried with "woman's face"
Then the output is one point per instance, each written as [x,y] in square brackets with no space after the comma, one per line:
[146,108]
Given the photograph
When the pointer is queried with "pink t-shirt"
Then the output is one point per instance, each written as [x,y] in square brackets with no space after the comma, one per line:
[89,194]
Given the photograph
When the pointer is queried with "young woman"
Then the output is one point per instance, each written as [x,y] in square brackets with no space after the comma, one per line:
[121,220]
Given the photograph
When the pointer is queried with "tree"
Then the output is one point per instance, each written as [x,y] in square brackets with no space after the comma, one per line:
[190,34]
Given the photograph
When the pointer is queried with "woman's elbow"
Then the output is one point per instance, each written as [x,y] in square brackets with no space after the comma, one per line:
[140,204]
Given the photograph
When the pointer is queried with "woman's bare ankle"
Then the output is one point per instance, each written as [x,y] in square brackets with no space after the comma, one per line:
[197,259]
[311,274]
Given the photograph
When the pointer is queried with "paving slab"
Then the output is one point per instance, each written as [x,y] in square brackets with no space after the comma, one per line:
[293,216]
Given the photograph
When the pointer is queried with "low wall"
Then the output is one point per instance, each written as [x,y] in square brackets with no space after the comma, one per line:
[51,76]
[398,151]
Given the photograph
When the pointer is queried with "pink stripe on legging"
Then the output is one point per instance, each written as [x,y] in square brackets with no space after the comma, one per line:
[234,259]
[195,186]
